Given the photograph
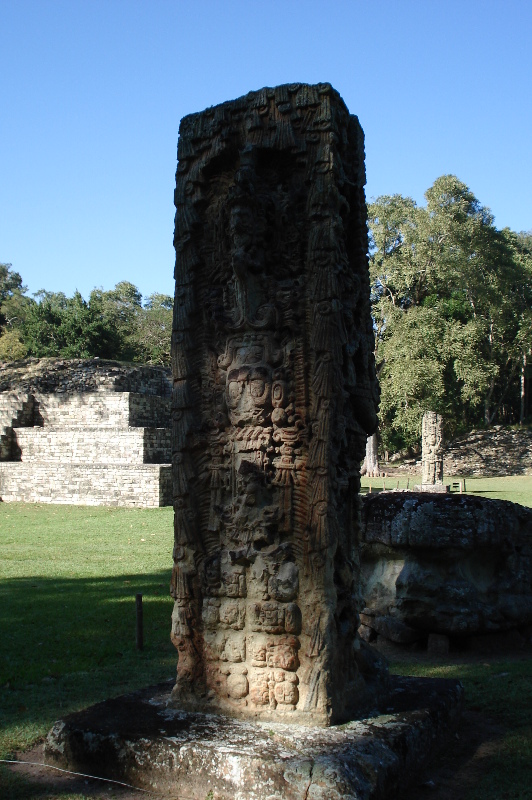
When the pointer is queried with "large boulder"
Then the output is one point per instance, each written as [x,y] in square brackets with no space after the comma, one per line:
[448,564]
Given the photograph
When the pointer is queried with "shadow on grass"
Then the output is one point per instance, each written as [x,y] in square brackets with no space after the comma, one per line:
[67,643]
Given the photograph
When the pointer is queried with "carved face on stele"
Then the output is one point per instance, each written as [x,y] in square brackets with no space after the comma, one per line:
[248,394]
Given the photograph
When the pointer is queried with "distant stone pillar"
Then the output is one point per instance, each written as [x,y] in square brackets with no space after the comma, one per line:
[432,449]
[274,395]
[371,462]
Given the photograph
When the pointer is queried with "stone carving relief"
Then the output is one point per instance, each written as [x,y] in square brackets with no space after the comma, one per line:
[274,395]
[432,449]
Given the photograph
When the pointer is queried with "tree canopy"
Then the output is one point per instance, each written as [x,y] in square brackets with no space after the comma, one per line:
[452,304]
[115,324]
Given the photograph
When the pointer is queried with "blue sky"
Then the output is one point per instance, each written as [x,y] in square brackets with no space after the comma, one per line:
[92,91]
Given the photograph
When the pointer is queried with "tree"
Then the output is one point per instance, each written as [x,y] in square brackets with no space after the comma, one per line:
[154,330]
[10,285]
[449,299]
[13,304]
[119,309]
[112,324]
[69,327]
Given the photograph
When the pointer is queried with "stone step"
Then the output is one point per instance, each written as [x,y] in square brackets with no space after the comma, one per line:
[106,409]
[93,445]
[16,409]
[143,485]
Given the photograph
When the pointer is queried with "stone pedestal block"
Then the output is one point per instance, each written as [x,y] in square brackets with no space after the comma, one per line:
[137,739]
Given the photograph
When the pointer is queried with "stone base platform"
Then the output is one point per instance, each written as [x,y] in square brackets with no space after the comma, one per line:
[137,739]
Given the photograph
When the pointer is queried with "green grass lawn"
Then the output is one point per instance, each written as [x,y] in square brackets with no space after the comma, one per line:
[68,579]
[517,488]
[502,690]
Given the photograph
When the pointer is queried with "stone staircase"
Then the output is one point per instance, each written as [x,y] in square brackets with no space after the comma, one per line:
[99,446]
[16,410]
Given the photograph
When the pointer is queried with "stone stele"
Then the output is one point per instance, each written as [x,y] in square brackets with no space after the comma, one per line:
[432,449]
[274,395]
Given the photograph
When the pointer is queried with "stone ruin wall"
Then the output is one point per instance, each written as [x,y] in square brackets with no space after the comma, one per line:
[85,432]
[274,395]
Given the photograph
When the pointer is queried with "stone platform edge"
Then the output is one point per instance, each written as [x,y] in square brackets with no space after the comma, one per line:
[137,739]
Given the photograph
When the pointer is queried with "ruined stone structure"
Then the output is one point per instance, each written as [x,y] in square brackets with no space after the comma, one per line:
[451,565]
[85,432]
[274,396]
[431,449]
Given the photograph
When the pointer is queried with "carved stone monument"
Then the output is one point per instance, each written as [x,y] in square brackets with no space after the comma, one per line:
[432,449]
[274,396]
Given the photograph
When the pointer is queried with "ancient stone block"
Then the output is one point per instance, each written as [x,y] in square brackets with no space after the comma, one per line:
[454,565]
[274,396]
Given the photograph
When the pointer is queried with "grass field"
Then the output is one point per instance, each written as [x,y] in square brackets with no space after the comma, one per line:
[517,488]
[68,579]
[501,690]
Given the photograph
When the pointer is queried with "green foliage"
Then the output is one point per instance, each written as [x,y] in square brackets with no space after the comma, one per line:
[119,309]
[68,579]
[10,287]
[153,333]
[12,348]
[113,324]
[69,327]
[9,282]
[452,305]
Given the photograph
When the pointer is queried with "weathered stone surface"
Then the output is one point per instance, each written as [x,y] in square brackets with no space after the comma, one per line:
[85,432]
[135,486]
[138,739]
[447,564]
[274,395]
[370,467]
[391,628]
[492,452]
[58,375]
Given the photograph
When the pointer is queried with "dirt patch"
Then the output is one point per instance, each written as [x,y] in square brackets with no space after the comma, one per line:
[50,783]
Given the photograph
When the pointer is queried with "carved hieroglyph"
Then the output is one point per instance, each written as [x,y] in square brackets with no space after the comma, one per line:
[432,449]
[274,395]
